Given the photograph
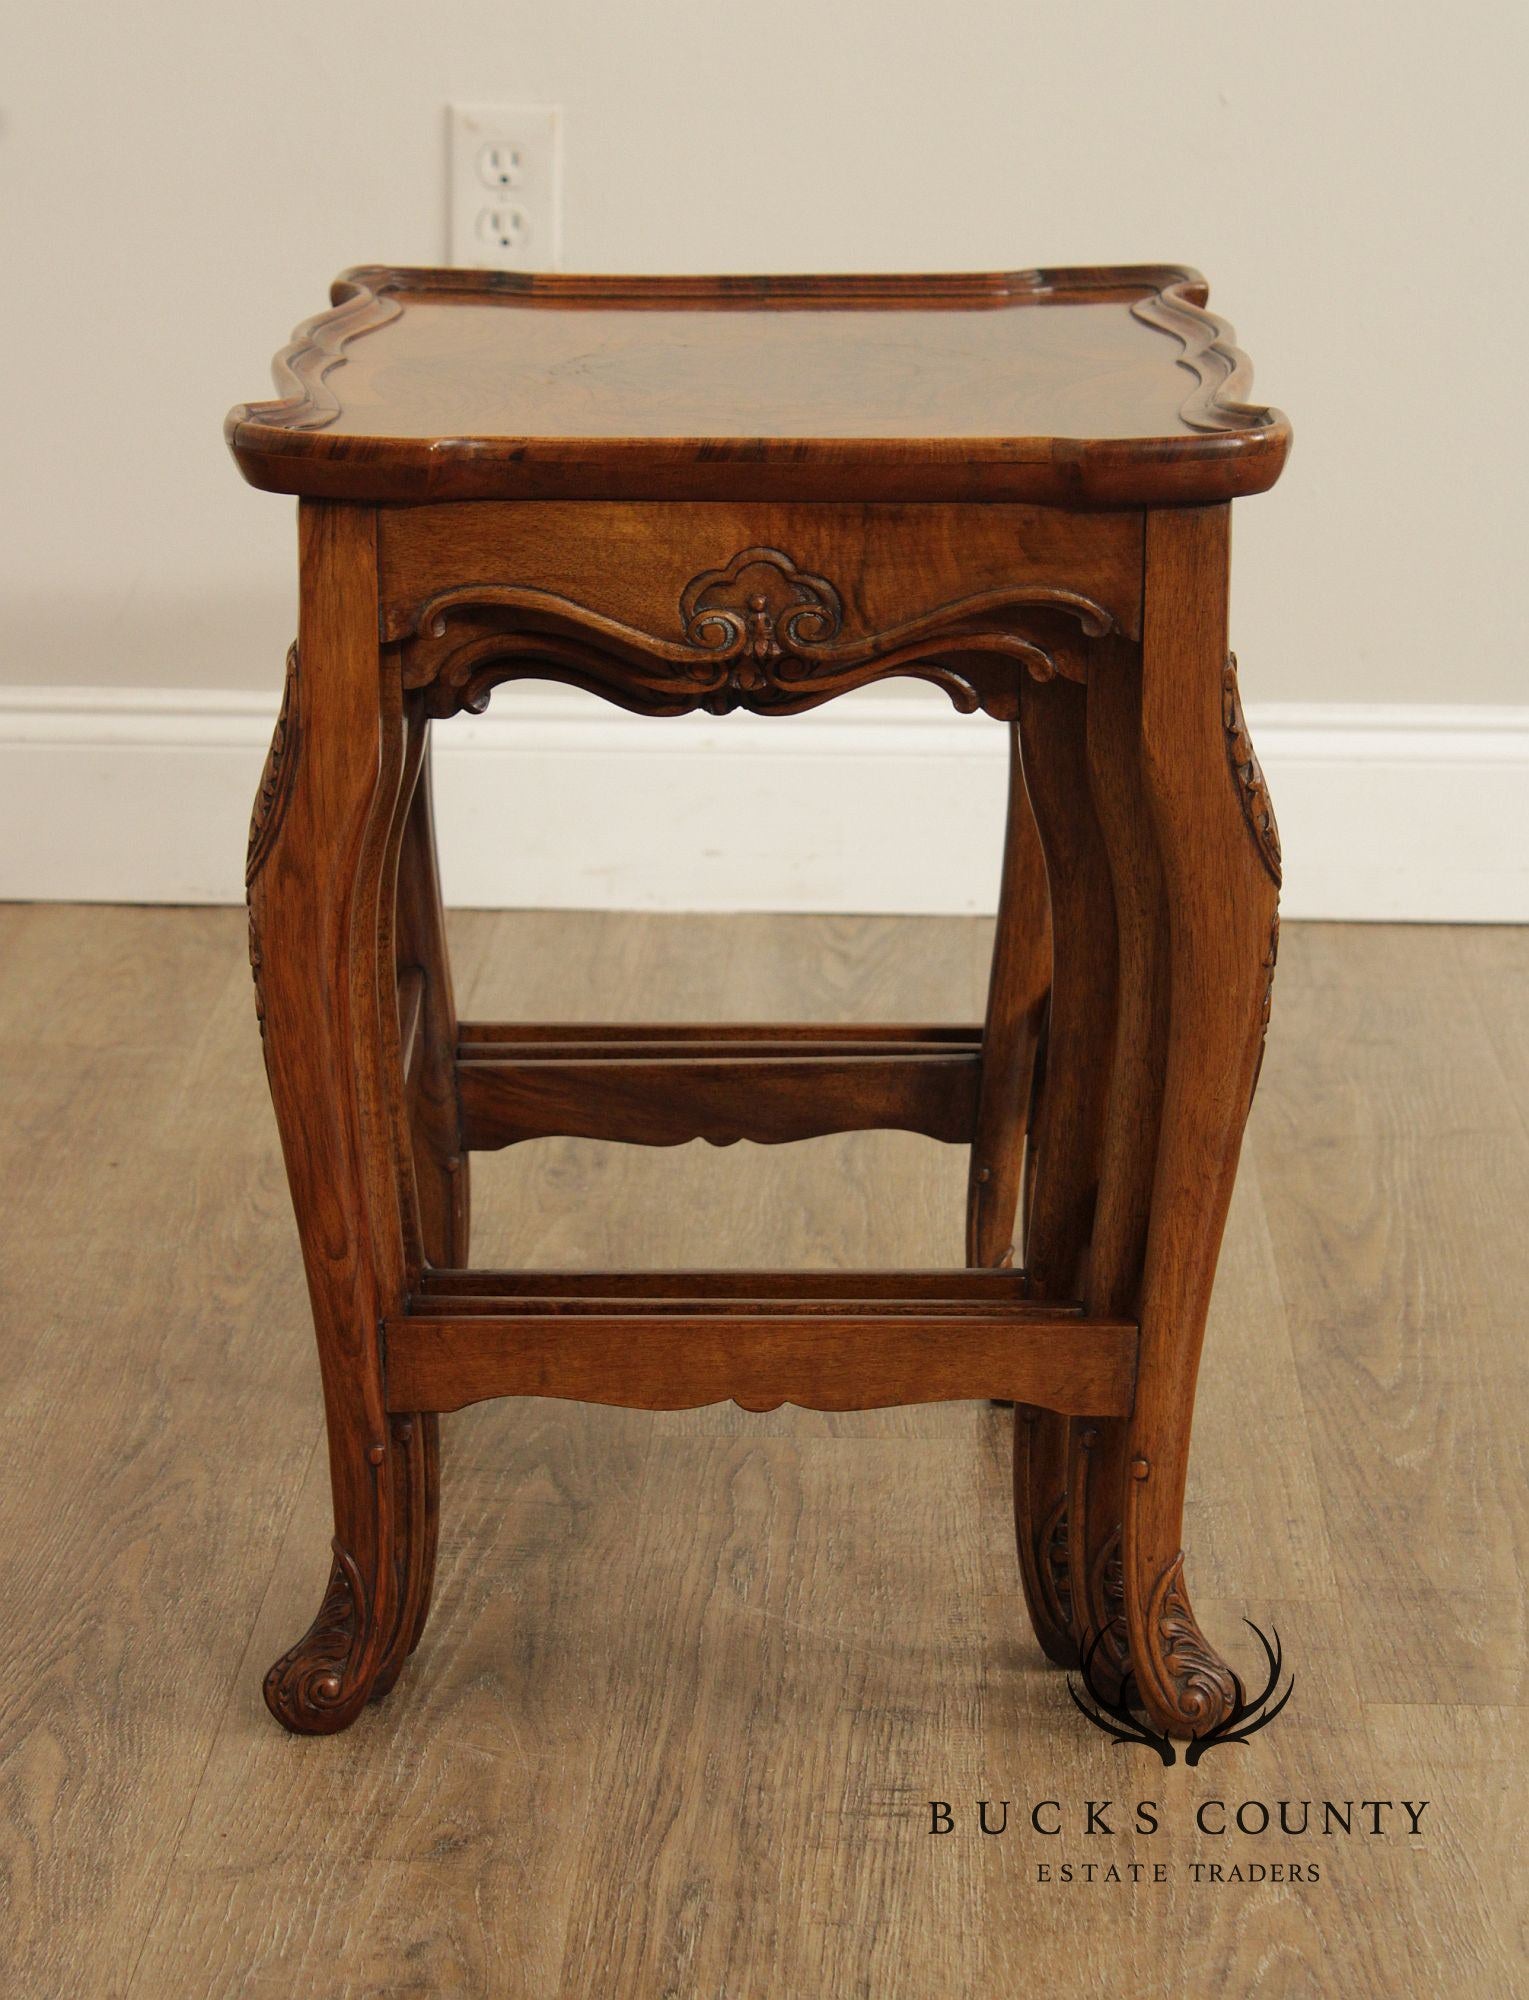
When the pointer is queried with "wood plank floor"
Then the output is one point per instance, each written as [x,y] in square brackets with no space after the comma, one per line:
[692,1680]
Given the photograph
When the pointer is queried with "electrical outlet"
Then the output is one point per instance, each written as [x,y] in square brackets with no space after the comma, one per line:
[505,185]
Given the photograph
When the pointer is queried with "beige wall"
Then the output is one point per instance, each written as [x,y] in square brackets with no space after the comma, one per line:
[181,180]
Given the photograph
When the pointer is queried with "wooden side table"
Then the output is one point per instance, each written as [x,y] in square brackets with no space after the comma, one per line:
[760,493]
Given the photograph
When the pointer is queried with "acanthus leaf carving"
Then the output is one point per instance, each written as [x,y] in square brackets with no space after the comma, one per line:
[1055,1564]
[276,778]
[1195,1684]
[311,1688]
[1266,1005]
[1107,1595]
[1252,787]
[1258,811]
[759,633]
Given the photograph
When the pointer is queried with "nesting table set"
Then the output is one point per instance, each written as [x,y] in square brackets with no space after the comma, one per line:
[759,494]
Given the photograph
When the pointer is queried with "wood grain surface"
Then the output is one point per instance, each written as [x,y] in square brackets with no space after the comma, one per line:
[841,1358]
[694,1677]
[1077,387]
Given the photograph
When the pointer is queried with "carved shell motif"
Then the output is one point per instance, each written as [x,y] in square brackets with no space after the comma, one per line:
[761,607]
[758,633]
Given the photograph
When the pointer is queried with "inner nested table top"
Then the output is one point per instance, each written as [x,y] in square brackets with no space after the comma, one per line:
[1086,387]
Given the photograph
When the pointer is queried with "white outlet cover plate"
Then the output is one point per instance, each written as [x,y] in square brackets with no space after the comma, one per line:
[504,186]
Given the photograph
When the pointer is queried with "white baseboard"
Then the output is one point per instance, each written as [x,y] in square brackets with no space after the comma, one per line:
[888,803]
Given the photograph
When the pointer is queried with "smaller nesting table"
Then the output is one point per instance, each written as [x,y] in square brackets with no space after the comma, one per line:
[759,494]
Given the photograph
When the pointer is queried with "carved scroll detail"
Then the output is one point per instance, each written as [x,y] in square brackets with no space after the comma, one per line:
[309,1688]
[766,600]
[1258,811]
[1198,1686]
[355,1648]
[1041,1534]
[1107,1594]
[271,797]
[758,634]
[276,778]
[1252,788]
[1055,1565]
[1266,1006]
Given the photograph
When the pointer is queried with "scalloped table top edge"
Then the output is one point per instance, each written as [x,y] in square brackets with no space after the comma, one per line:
[1085,387]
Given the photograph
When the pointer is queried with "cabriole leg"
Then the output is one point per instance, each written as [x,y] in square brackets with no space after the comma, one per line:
[440,1165]
[1220,862]
[323,843]
[1068,1124]
[1097,1467]
[1018,983]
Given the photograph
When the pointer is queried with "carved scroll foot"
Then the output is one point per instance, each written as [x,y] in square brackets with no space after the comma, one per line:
[1184,1684]
[323,894]
[355,1648]
[320,1685]
[1208,811]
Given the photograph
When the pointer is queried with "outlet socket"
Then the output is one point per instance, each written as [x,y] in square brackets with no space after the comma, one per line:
[504,186]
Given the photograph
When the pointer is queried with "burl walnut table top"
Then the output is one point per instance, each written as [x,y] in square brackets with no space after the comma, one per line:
[1085,388]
